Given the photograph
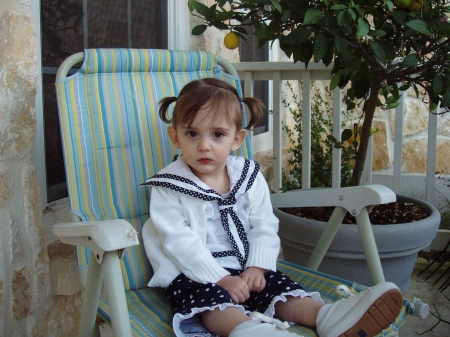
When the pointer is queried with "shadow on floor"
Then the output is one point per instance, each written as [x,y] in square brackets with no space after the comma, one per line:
[438,301]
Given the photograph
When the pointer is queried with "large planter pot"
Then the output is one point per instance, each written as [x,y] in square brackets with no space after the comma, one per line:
[397,244]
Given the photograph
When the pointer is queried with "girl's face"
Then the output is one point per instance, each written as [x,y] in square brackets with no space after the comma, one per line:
[207,143]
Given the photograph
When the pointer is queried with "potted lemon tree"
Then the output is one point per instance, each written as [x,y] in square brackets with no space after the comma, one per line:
[377,49]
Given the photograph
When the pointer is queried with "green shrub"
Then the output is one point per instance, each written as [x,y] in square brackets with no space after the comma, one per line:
[322,143]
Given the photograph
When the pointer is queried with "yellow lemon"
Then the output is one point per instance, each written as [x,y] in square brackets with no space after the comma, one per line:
[414,6]
[402,3]
[231,40]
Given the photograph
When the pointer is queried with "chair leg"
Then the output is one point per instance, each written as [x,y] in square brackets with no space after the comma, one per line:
[326,238]
[370,247]
[90,299]
[115,292]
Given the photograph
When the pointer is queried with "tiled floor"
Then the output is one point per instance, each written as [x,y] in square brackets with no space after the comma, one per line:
[430,294]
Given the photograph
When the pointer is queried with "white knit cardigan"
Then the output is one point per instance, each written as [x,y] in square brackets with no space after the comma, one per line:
[175,234]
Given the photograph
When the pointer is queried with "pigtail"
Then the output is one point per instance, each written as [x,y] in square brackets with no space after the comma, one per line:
[255,107]
[164,108]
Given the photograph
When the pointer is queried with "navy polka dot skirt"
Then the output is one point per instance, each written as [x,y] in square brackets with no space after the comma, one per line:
[190,298]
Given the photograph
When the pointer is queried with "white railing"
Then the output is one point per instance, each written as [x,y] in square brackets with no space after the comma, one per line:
[276,72]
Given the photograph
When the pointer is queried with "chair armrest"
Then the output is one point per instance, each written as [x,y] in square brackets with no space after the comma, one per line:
[101,236]
[353,199]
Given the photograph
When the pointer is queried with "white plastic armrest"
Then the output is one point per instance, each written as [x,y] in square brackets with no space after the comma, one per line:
[101,236]
[353,199]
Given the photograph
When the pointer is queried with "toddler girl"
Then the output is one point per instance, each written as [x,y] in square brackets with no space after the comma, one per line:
[212,236]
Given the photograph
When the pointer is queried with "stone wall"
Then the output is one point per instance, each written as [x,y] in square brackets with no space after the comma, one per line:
[415,135]
[27,304]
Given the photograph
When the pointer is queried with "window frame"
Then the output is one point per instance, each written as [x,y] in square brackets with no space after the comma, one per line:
[178,38]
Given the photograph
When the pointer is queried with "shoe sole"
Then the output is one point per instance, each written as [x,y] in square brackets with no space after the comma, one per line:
[383,312]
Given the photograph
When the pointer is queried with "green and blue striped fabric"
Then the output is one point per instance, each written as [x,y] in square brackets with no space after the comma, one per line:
[113,138]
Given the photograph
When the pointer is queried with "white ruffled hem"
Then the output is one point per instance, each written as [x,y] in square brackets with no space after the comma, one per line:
[178,318]
[270,311]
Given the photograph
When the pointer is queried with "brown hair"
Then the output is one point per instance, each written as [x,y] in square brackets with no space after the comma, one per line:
[222,97]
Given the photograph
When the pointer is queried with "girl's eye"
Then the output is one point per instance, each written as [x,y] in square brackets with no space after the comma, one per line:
[191,133]
[218,134]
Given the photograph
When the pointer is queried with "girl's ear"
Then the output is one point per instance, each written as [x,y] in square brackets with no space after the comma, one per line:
[238,139]
[173,136]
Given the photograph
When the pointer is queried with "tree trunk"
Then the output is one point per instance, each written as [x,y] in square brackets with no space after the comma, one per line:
[369,111]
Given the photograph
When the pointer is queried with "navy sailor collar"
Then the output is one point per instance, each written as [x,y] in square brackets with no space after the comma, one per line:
[179,177]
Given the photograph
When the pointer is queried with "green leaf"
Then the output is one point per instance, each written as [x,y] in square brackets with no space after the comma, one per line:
[377,32]
[410,61]
[335,81]
[286,16]
[191,5]
[352,13]
[351,105]
[303,52]
[390,5]
[346,134]
[419,26]
[340,43]
[445,102]
[400,16]
[265,34]
[320,47]
[199,30]
[208,13]
[361,87]
[339,6]
[298,35]
[393,105]
[344,17]
[437,84]
[328,57]
[240,29]
[222,16]
[363,28]
[276,5]
[312,16]
[219,25]
[379,51]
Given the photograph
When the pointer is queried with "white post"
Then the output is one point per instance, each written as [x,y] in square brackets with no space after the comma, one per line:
[398,143]
[248,92]
[431,159]
[277,133]
[306,130]
[336,164]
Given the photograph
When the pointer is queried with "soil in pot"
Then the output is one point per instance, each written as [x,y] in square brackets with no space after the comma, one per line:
[385,214]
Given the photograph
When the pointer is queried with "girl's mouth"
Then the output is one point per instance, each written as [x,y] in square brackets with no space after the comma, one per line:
[204,161]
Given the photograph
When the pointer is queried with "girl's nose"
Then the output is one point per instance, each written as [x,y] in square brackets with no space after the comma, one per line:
[203,144]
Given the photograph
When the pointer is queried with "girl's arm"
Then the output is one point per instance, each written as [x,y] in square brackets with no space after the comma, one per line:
[263,234]
[184,247]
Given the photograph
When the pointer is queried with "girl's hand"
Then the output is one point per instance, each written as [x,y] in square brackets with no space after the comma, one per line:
[236,287]
[254,277]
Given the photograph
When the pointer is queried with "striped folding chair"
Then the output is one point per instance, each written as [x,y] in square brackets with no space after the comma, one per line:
[113,141]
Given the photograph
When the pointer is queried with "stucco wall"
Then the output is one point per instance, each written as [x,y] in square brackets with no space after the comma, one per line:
[27,306]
